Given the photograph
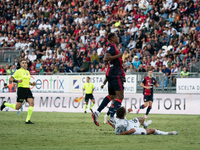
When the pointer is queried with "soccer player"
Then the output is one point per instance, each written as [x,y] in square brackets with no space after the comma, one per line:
[132,127]
[114,76]
[88,88]
[111,108]
[22,78]
[147,83]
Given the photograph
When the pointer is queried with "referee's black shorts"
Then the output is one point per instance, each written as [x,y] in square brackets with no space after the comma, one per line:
[23,94]
[88,96]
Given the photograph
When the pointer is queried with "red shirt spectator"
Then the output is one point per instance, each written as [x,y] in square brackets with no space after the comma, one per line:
[2,70]
[93,43]
[185,51]
[33,71]
[158,63]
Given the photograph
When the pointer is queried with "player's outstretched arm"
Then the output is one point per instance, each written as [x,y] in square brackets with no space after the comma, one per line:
[108,57]
[128,132]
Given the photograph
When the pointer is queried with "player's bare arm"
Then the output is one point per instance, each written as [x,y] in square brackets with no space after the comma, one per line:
[146,87]
[14,80]
[83,91]
[128,132]
[157,85]
[108,57]
[104,83]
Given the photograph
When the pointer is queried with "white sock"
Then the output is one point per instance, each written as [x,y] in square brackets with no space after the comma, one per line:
[158,132]
[97,112]
[106,115]
[145,124]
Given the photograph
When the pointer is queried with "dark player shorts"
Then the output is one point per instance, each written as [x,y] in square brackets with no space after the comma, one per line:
[23,94]
[115,84]
[88,96]
[148,98]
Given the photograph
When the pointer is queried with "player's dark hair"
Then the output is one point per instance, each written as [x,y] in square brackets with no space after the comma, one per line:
[23,60]
[120,112]
[151,70]
[88,77]
[110,35]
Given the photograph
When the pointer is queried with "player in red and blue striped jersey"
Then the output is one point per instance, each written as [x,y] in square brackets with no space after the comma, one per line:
[114,76]
[147,83]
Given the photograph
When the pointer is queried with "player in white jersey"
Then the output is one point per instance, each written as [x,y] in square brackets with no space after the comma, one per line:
[125,127]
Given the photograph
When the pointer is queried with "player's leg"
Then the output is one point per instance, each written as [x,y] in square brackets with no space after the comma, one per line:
[107,99]
[93,102]
[21,94]
[118,101]
[144,105]
[143,123]
[86,102]
[110,110]
[158,132]
[150,106]
[14,106]
[117,84]
[104,103]
[30,110]
[31,105]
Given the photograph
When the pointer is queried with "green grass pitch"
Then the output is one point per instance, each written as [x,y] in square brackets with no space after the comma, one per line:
[77,131]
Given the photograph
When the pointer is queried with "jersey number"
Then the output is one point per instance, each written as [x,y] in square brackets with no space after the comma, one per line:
[135,120]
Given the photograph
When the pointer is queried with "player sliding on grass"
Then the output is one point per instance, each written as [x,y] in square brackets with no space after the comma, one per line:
[114,76]
[125,127]
[22,78]
[88,88]
[147,83]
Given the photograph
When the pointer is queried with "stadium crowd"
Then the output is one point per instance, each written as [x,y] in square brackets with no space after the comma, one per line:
[71,35]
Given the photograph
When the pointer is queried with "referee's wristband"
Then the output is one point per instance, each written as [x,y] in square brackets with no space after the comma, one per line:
[15,80]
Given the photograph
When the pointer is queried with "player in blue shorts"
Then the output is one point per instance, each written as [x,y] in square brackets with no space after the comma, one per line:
[147,83]
[114,76]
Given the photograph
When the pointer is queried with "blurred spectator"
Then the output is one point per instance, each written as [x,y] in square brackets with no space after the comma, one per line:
[141,69]
[92,68]
[17,64]
[131,69]
[94,58]
[33,71]
[97,69]
[153,62]
[184,73]
[125,39]
[125,55]
[85,66]
[174,72]
[167,73]
[2,70]
[38,65]
[103,67]
[12,87]
[165,61]
[136,62]
[5,88]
